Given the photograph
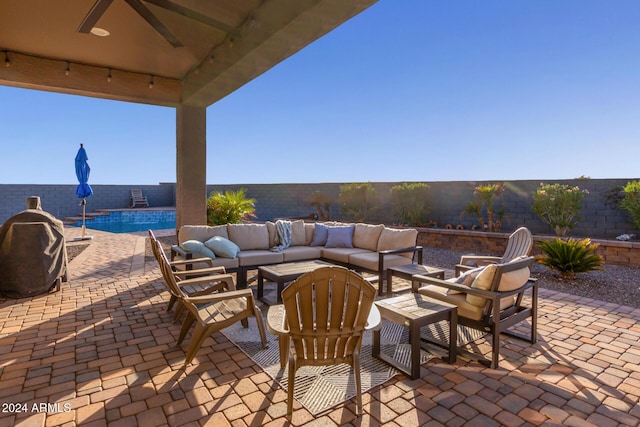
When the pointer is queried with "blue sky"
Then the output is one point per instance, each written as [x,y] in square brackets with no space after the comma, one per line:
[409,90]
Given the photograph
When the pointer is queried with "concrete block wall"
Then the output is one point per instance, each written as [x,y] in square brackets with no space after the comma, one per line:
[601,218]
[61,200]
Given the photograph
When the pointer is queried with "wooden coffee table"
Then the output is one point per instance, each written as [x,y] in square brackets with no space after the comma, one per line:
[408,271]
[284,273]
[415,311]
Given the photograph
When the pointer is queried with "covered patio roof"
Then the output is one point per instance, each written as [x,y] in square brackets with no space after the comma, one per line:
[185,54]
[194,52]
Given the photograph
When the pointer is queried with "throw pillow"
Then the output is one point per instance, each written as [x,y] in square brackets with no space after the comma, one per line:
[340,237]
[469,276]
[465,279]
[198,249]
[482,281]
[320,234]
[222,247]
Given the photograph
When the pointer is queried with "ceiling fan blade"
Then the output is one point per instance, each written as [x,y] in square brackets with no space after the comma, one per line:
[145,13]
[196,16]
[93,16]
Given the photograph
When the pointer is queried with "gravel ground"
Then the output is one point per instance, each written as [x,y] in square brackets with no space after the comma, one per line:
[614,284]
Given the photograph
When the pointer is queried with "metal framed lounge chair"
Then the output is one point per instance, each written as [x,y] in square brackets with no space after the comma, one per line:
[325,314]
[211,312]
[138,200]
[519,244]
[493,302]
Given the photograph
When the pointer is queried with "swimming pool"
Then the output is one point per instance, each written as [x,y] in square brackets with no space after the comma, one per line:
[131,221]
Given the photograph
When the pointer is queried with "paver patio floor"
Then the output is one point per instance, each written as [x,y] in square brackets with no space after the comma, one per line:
[102,352]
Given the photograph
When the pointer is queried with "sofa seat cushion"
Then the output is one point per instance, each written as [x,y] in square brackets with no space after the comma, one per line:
[249,236]
[396,238]
[201,232]
[341,254]
[369,260]
[258,257]
[365,236]
[465,309]
[299,253]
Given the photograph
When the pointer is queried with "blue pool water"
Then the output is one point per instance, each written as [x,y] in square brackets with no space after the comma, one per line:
[130,221]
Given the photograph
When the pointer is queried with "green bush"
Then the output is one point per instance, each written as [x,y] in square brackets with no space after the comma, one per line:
[484,197]
[569,256]
[558,206]
[230,207]
[409,203]
[631,202]
[357,200]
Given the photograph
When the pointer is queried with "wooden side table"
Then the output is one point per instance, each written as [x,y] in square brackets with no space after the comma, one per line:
[408,271]
[415,311]
[284,273]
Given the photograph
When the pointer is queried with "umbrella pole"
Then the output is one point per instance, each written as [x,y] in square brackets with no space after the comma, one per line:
[84,204]
[83,237]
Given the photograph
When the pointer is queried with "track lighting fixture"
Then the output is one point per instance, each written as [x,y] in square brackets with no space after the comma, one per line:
[151,82]
[68,70]
[109,76]
[7,63]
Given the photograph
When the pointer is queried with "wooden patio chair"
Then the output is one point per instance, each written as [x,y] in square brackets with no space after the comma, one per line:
[519,244]
[213,311]
[138,200]
[192,282]
[326,312]
[492,303]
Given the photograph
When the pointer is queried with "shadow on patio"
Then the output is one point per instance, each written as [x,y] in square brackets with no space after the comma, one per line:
[105,345]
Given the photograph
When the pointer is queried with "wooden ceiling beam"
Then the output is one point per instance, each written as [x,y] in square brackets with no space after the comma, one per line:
[32,72]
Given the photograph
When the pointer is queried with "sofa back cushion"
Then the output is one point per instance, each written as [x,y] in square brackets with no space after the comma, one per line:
[201,232]
[509,281]
[309,228]
[365,236]
[249,236]
[298,233]
[395,238]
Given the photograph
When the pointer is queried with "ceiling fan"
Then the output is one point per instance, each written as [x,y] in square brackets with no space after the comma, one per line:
[101,6]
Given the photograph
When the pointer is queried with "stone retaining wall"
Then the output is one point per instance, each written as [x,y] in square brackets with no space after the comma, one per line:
[482,243]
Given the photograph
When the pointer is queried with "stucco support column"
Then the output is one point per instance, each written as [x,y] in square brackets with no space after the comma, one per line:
[191,166]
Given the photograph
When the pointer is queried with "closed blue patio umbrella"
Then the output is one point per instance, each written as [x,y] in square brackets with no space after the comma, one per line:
[84,189]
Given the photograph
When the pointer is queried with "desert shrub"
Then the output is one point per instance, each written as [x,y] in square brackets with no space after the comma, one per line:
[322,203]
[631,202]
[230,207]
[558,205]
[569,256]
[410,202]
[357,200]
[484,198]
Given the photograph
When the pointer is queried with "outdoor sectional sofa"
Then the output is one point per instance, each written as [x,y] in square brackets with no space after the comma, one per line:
[361,247]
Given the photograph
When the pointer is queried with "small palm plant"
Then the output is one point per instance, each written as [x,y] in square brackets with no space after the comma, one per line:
[569,256]
[230,207]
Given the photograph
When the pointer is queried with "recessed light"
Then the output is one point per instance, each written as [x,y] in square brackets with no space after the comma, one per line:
[100,32]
